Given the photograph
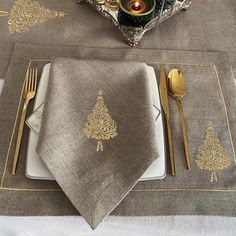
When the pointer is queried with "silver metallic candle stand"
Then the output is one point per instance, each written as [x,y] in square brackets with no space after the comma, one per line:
[134,34]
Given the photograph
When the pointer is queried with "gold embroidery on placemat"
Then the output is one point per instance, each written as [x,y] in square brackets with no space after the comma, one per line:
[3,13]
[211,155]
[26,13]
[99,125]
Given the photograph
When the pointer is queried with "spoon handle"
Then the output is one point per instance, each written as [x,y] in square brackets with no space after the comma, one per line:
[184,133]
[171,151]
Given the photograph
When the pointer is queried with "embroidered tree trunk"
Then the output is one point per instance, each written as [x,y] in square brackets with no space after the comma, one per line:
[99,146]
[99,125]
[214,177]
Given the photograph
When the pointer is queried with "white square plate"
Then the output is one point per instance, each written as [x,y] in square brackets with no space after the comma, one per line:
[35,167]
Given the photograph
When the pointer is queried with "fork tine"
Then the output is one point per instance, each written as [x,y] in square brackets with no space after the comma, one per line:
[32,80]
[35,81]
[27,79]
[31,77]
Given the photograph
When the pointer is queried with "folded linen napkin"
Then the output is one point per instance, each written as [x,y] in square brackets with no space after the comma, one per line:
[98,134]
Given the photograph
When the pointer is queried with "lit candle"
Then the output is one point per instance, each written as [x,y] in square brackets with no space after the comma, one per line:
[136,12]
[137,7]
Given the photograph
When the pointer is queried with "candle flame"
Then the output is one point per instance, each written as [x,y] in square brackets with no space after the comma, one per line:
[136,4]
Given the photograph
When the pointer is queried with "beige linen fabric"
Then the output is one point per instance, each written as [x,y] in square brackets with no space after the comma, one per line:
[96,181]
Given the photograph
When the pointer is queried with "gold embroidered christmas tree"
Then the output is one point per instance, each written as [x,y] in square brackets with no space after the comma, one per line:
[3,13]
[99,125]
[211,155]
[26,13]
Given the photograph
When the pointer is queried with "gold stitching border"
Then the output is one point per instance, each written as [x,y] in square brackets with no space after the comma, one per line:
[134,190]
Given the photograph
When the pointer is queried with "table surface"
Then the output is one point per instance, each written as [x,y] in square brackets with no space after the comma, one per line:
[208,25]
[119,226]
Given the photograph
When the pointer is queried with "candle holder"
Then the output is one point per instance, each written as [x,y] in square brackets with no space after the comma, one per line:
[133,29]
[136,13]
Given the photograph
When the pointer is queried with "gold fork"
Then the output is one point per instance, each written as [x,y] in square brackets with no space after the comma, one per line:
[30,86]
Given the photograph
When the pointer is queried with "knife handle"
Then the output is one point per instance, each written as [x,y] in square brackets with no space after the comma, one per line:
[171,151]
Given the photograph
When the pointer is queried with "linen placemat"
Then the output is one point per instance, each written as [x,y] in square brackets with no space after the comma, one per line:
[98,133]
[210,112]
[6,50]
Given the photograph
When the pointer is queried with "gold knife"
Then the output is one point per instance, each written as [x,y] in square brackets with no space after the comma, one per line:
[166,109]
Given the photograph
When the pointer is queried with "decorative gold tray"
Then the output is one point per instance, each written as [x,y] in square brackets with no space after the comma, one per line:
[134,34]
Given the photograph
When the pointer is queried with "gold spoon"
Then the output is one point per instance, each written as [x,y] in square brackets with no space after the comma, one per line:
[177,90]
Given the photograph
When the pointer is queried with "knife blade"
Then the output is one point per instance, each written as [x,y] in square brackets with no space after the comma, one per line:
[165,105]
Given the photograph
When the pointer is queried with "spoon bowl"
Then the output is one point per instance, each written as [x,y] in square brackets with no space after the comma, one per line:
[177,85]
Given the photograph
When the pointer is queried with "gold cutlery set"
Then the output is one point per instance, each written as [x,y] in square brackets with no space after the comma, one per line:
[175,86]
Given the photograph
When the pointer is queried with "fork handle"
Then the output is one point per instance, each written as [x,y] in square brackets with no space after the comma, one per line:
[19,137]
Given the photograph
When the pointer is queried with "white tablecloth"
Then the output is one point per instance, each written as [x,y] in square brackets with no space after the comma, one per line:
[118,226]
